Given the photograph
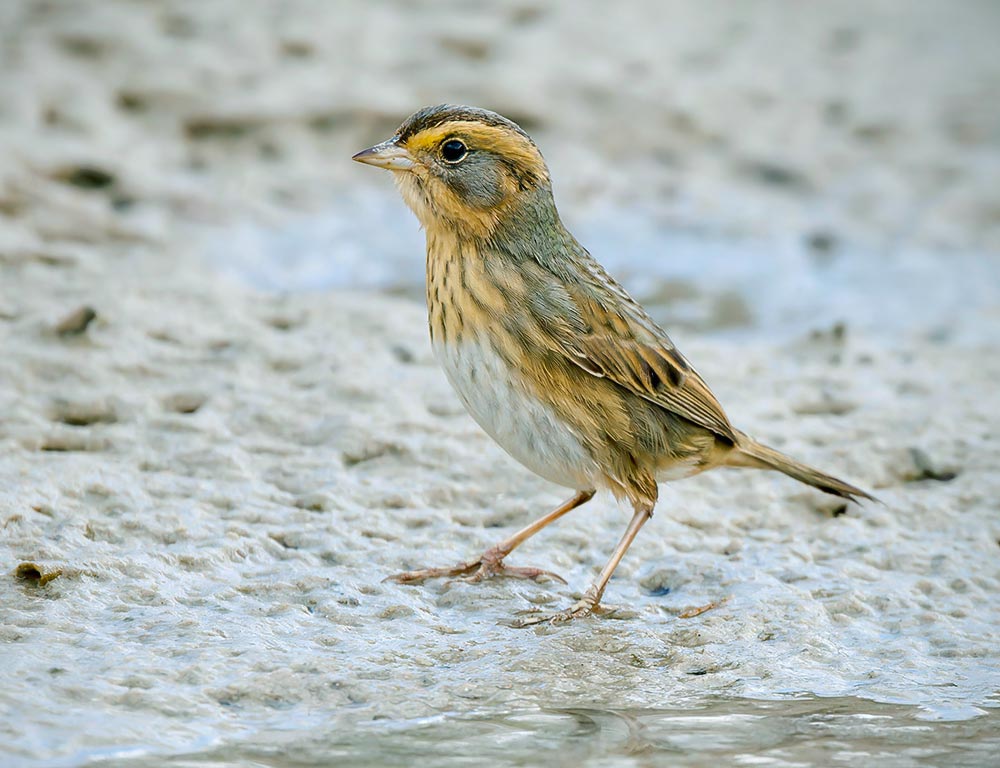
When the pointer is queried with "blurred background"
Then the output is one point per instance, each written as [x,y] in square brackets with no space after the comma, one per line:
[212,450]
[755,165]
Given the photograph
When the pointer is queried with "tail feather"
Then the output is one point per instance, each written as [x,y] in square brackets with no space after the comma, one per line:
[749,453]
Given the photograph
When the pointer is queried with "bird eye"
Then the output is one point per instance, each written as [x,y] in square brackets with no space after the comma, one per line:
[453,151]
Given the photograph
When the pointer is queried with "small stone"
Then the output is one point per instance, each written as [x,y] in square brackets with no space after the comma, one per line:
[184,402]
[43,574]
[76,322]
[86,177]
[83,413]
[928,469]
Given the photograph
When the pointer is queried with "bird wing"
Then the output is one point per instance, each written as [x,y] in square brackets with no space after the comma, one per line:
[614,338]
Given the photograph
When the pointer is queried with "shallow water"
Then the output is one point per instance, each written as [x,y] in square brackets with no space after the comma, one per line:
[794,732]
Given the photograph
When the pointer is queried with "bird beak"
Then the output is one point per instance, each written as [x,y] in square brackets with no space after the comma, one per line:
[389,154]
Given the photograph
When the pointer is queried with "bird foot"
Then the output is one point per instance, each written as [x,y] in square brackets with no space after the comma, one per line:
[585,606]
[489,566]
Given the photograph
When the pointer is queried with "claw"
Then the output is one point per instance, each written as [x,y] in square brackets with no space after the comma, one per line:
[501,571]
[559,617]
[585,606]
[421,575]
[474,572]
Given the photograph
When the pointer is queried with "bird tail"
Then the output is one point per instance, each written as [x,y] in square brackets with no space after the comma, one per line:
[749,453]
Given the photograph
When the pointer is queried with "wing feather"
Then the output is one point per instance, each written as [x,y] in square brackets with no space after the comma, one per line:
[617,340]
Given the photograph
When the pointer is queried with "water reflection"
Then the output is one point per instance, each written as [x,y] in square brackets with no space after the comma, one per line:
[795,732]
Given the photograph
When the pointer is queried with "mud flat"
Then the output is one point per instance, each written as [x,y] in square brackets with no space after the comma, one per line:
[207,472]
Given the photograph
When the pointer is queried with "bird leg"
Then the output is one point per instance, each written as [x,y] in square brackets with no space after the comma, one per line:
[490,564]
[586,605]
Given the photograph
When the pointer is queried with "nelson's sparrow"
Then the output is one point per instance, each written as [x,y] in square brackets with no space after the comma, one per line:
[547,352]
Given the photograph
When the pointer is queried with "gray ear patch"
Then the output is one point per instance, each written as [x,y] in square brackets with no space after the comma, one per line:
[477,180]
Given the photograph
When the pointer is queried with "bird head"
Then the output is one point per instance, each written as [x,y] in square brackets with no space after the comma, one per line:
[462,167]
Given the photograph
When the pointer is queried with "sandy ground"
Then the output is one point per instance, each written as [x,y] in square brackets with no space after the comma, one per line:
[202,488]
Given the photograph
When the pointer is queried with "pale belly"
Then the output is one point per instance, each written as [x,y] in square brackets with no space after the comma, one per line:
[523,426]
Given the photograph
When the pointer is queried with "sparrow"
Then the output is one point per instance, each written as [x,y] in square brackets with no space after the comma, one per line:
[551,356]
